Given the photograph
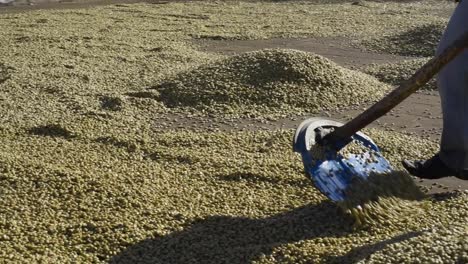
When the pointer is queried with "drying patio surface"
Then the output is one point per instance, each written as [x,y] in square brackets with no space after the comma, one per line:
[144,133]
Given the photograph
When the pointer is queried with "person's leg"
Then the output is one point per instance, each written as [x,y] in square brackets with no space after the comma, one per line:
[453,89]
[452,160]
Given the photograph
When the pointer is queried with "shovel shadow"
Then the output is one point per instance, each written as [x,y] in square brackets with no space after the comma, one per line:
[227,239]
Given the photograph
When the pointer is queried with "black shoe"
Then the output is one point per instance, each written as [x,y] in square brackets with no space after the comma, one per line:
[432,168]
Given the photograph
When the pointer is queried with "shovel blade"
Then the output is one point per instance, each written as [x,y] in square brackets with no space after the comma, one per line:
[334,174]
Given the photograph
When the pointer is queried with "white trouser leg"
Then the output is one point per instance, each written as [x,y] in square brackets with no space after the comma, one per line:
[453,89]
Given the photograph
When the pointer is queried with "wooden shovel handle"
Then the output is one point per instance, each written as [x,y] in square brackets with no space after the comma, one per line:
[421,77]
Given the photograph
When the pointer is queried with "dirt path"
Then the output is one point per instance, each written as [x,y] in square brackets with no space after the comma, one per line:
[418,115]
[339,50]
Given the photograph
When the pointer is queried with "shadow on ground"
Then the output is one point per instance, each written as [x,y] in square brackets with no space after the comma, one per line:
[361,253]
[227,239]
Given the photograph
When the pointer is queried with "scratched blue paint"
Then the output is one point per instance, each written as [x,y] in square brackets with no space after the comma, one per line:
[333,175]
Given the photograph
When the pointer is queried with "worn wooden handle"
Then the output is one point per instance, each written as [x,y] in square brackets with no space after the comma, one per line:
[421,77]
